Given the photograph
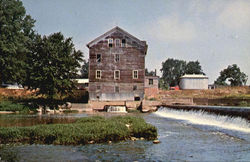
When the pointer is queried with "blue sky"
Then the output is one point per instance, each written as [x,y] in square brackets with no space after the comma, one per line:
[214,32]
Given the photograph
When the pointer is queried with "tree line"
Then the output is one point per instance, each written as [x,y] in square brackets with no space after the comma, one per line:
[173,69]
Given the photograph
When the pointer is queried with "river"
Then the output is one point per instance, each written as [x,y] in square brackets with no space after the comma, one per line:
[184,136]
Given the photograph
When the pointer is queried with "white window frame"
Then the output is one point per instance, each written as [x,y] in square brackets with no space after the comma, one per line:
[118,58]
[96,74]
[115,75]
[117,44]
[134,75]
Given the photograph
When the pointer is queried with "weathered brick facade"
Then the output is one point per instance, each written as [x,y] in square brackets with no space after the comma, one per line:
[116,67]
[151,86]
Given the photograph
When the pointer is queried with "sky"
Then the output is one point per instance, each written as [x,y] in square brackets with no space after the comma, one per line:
[214,32]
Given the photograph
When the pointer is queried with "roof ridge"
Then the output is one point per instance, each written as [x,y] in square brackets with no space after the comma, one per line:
[116,28]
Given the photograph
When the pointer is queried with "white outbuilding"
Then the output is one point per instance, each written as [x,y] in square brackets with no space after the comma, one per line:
[193,81]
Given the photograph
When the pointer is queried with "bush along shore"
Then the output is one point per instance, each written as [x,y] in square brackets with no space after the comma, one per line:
[84,131]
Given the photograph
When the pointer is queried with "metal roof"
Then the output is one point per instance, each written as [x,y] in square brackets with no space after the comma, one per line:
[194,76]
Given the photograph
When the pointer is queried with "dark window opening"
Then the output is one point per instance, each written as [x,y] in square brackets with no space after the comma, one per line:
[117,74]
[98,58]
[117,89]
[134,88]
[117,58]
[123,42]
[98,87]
[98,97]
[150,81]
[137,98]
[110,42]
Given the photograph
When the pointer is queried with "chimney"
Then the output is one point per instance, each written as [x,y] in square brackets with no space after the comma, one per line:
[155,72]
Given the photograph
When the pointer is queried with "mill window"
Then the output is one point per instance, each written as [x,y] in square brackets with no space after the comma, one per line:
[117,74]
[135,74]
[110,42]
[150,81]
[123,43]
[134,87]
[117,89]
[98,74]
[98,58]
[117,58]
[117,43]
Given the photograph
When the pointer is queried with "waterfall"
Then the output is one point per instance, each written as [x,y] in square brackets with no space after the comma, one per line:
[204,118]
[117,109]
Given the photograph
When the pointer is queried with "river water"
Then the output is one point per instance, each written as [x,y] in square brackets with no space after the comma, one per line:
[184,136]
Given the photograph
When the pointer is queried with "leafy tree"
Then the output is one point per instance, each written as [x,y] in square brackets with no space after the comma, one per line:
[232,74]
[85,69]
[149,73]
[54,62]
[193,67]
[173,69]
[16,35]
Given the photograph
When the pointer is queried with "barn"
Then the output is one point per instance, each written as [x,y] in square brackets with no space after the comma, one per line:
[193,81]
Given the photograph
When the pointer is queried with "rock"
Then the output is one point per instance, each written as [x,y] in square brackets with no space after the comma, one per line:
[109,142]
[133,138]
[68,105]
[91,142]
[156,141]
[127,125]
[142,138]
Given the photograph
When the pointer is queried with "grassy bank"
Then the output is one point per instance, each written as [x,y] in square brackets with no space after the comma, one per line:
[14,106]
[83,131]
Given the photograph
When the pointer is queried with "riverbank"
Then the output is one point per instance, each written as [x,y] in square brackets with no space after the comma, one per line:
[86,130]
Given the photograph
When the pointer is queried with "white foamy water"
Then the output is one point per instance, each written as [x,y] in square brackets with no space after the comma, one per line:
[203,118]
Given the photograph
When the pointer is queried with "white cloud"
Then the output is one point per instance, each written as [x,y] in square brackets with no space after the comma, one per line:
[172,29]
[235,15]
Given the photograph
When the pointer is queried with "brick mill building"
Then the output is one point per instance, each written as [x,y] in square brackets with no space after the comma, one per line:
[116,67]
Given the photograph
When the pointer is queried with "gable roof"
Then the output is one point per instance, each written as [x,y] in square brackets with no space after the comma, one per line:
[115,29]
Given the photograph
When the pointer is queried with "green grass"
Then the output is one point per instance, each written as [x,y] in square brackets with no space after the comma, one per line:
[12,106]
[84,130]
[244,104]
[238,96]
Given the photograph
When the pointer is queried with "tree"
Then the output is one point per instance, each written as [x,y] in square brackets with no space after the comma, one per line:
[193,67]
[149,73]
[54,62]
[232,74]
[85,69]
[15,39]
[173,69]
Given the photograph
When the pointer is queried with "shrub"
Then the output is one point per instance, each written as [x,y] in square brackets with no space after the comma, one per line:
[84,130]
[11,106]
